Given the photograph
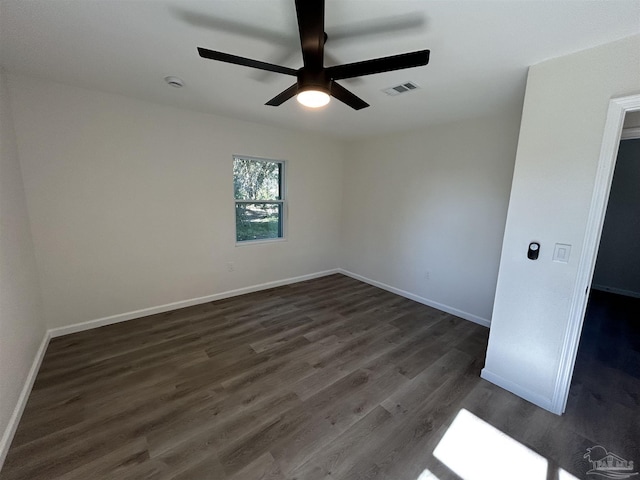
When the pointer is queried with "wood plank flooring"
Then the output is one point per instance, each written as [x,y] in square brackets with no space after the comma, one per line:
[325,379]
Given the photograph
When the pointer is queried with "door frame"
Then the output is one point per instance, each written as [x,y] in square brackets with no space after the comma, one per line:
[618,108]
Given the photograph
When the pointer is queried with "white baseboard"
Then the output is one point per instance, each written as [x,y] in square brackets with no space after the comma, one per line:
[618,291]
[539,400]
[425,301]
[123,317]
[10,431]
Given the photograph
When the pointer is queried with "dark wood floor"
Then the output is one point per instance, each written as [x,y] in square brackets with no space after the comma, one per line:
[325,379]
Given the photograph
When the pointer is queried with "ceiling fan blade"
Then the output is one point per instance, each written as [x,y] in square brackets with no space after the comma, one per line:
[311,27]
[245,62]
[379,65]
[240,29]
[377,27]
[287,56]
[284,96]
[331,60]
[345,96]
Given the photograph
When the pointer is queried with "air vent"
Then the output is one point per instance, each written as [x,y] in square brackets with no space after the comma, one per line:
[402,88]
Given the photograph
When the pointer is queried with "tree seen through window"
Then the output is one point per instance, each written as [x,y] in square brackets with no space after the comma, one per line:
[257,186]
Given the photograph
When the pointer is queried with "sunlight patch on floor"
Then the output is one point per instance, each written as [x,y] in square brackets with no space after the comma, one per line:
[427,475]
[475,450]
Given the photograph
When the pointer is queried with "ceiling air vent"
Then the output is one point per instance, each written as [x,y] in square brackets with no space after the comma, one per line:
[402,88]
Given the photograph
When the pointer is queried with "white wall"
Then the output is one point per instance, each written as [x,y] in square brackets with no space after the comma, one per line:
[561,133]
[618,265]
[22,326]
[132,203]
[432,201]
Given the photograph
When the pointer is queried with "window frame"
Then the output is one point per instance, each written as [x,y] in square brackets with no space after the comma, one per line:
[282,201]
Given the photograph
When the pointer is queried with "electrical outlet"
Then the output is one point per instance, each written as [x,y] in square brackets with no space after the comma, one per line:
[230,267]
[427,275]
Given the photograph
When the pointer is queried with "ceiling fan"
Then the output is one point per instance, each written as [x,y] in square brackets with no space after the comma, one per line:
[315,82]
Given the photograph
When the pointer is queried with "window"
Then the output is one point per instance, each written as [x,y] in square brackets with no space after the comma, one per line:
[259,198]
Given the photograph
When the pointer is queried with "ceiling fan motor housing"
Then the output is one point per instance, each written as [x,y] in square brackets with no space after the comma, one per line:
[313,80]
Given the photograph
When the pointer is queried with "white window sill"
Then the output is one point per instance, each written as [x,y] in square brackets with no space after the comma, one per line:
[261,241]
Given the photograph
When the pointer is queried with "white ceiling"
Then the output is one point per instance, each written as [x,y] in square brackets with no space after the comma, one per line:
[480,51]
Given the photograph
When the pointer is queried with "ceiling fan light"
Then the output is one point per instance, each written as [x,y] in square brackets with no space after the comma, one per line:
[313,98]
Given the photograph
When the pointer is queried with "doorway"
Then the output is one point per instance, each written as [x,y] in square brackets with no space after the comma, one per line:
[605,390]
[617,268]
[619,108]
